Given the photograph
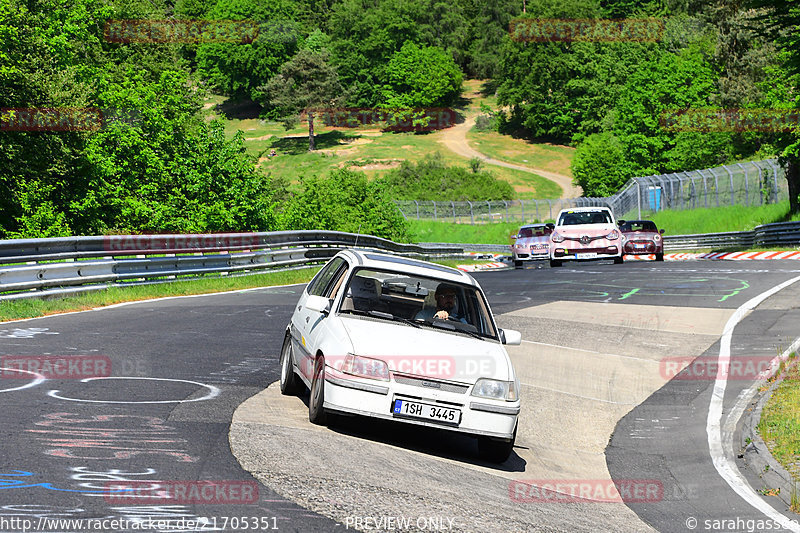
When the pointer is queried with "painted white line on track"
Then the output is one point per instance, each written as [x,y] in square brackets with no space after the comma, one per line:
[592,351]
[581,396]
[723,462]
[39,379]
[213,391]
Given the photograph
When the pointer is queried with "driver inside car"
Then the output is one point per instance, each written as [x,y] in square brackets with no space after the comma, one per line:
[445,305]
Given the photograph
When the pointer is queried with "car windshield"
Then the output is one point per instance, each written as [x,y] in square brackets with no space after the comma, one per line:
[573,218]
[535,231]
[405,298]
[639,225]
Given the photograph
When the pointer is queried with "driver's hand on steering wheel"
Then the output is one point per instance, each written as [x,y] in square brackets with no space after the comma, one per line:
[442,315]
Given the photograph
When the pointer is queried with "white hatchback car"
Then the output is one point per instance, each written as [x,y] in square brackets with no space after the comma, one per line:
[585,233]
[367,339]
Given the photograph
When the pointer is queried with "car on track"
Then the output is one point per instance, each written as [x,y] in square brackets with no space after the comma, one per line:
[363,338]
[531,243]
[642,237]
[585,234]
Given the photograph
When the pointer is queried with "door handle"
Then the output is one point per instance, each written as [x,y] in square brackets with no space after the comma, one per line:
[307,318]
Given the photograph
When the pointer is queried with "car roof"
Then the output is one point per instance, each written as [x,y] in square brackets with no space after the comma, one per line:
[584,209]
[408,265]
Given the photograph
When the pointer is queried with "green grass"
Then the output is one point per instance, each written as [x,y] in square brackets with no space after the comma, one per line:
[780,422]
[719,219]
[722,219]
[33,307]
[431,231]
[551,157]
[367,149]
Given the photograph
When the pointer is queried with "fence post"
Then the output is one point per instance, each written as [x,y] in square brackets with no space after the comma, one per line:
[760,184]
[471,214]
[746,185]
[730,175]
[453,204]
[774,166]
[506,206]
[536,205]
[435,215]
[416,202]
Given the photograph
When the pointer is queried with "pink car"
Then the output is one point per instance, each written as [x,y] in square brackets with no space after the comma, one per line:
[531,242]
[585,234]
[642,237]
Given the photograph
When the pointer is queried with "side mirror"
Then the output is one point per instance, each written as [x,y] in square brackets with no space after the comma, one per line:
[620,222]
[550,225]
[320,304]
[510,337]
[661,231]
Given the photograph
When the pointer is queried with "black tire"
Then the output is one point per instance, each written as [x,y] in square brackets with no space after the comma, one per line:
[517,264]
[660,257]
[316,401]
[619,260]
[555,263]
[290,383]
[496,451]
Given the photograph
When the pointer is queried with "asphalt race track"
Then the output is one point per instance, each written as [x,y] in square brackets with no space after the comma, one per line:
[159,383]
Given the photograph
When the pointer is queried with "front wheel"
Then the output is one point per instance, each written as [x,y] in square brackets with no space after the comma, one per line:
[290,385]
[555,263]
[619,260]
[316,411]
[517,264]
[496,451]
[660,257]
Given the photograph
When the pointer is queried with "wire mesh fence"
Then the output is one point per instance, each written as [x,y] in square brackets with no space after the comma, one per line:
[751,183]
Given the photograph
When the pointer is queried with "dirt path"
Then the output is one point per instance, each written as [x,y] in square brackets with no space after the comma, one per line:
[455,139]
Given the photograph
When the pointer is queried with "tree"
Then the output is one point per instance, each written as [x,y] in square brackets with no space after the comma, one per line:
[782,21]
[345,201]
[598,165]
[305,83]
[420,77]
[237,68]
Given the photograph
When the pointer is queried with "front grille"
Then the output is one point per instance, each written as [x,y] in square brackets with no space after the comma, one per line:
[430,384]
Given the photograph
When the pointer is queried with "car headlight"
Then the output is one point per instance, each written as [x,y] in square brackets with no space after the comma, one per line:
[614,235]
[556,237]
[366,367]
[657,237]
[495,389]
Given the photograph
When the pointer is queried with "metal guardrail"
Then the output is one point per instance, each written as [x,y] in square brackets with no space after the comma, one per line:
[31,268]
[42,267]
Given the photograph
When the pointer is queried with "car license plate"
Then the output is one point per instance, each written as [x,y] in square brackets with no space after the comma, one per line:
[639,246]
[424,411]
[587,255]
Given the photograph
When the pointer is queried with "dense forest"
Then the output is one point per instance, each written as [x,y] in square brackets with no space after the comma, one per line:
[145,160]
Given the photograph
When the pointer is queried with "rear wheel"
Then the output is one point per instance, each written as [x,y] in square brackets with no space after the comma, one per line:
[555,263]
[496,451]
[316,411]
[290,384]
[660,257]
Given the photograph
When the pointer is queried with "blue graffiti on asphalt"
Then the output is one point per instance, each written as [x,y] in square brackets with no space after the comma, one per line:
[23,484]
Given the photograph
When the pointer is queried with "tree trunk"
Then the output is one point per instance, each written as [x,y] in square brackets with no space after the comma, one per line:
[310,131]
[793,177]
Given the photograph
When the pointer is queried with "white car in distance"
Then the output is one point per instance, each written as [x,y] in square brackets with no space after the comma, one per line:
[366,341]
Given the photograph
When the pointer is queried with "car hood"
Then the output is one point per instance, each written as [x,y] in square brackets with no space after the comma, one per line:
[592,230]
[544,239]
[428,351]
[640,234]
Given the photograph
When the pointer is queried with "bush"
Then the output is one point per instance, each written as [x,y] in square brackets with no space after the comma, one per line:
[344,201]
[598,165]
[431,179]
